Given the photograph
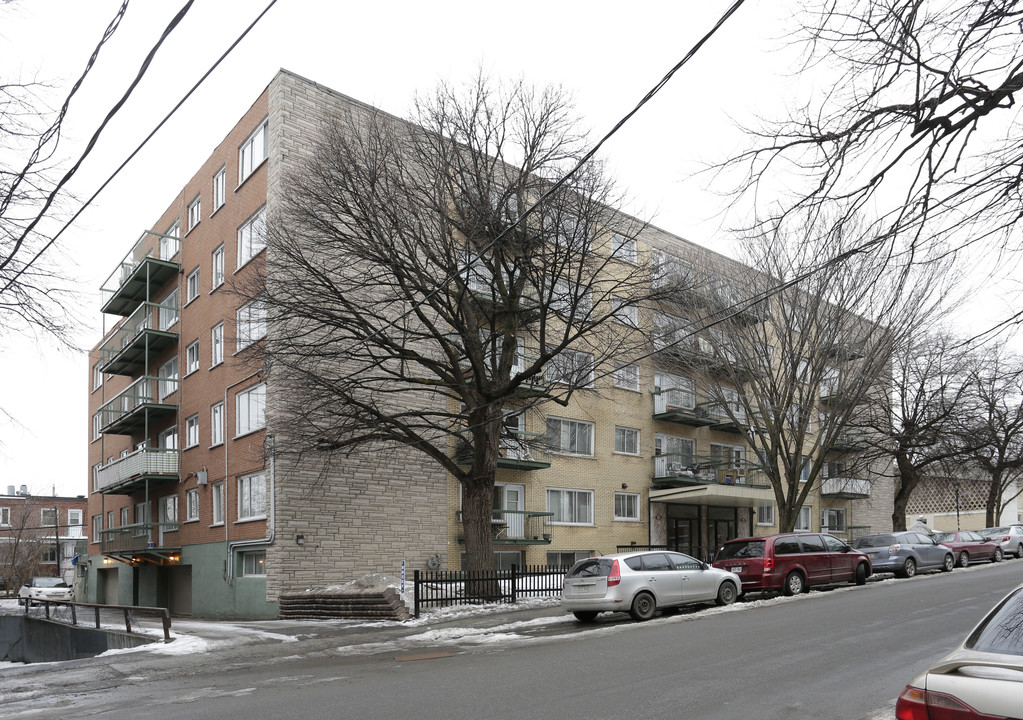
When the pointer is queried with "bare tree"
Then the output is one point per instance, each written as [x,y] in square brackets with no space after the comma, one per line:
[918,128]
[414,304]
[22,546]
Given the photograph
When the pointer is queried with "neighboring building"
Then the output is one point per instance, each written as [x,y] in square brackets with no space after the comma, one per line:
[39,535]
[958,503]
[192,509]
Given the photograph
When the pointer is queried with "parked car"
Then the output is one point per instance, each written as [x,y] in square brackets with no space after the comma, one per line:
[904,553]
[969,546]
[641,583]
[980,678]
[44,588]
[1010,537]
[792,562]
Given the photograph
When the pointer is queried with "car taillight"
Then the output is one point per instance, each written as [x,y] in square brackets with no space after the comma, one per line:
[917,704]
[768,564]
[615,576]
[892,549]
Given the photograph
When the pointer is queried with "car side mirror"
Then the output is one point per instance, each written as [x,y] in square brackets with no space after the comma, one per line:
[704,566]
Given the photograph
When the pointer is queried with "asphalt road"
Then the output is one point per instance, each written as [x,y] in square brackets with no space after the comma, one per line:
[842,654]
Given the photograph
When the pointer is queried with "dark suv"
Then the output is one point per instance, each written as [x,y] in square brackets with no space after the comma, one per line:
[792,562]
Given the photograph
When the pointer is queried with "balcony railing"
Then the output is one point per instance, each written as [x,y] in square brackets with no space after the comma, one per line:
[138,536]
[138,465]
[126,412]
[126,350]
[146,268]
[519,527]
[849,488]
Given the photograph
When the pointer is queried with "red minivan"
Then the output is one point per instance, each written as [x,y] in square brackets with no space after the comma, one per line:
[792,562]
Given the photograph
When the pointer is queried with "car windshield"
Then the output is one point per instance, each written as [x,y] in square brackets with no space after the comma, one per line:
[49,582]
[994,531]
[1002,630]
[591,567]
[944,537]
[746,549]
[875,541]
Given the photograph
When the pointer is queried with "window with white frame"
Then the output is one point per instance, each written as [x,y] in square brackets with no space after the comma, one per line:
[626,506]
[191,431]
[572,234]
[673,455]
[169,310]
[217,344]
[251,323]
[567,297]
[626,441]
[169,438]
[252,496]
[250,409]
[5,516]
[125,516]
[805,468]
[192,504]
[97,377]
[571,367]
[832,520]
[626,376]
[97,423]
[192,358]
[765,514]
[677,393]
[625,312]
[252,152]
[570,507]
[218,502]
[803,521]
[252,237]
[218,268]
[571,437]
[168,375]
[254,563]
[217,424]
[169,509]
[48,555]
[170,242]
[194,212]
[671,332]
[624,248]
[219,188]
[97,528]
[192,286]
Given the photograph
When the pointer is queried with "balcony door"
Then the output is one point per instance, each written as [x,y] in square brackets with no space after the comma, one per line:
[510,497]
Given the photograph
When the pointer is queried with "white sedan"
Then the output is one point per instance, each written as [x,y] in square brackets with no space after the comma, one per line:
[45,588]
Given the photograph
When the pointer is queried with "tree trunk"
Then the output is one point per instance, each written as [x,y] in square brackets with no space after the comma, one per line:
[477,505]
[994,501]
[909,478]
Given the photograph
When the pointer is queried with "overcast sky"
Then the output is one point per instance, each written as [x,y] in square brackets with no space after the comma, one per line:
[380,53]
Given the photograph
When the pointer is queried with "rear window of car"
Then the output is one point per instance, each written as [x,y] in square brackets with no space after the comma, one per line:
[1002,630]
[742,549]
[875,541]
[49,582]
[994,531]
[786,546]
[591,567]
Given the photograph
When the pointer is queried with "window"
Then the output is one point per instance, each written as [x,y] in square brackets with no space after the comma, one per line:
[805,468]
[625,312]
[49,555]
[110,518]
[252,237]
[251,324]
[570,436]
[169,509]
[252,152]
[254,563]
[169,439]
[217,344]
[125,516]
[97,423]
[217,424]
[571,368]
[192,431]
[252,496]
[561,558]
[168,382]
[627,441]
[568,298]
[677,392]
[169,310]
[674,456]
[170,242]
[48,517]
[192,504]
[626,376]
[570,507]
[194,213]
[218,268]
[765,514]
[626,506]
[5,516]
[833,520]
[251,406]
[624,248]
[141,516]
[218,503]
[219,188]
[97,528]
[192,358]
[803,521]
[192,286]
[97,377]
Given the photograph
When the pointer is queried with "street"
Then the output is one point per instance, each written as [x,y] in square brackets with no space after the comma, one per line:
[841,654]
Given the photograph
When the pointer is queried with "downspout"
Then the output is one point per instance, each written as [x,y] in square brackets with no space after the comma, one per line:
[229,575]
[271,532]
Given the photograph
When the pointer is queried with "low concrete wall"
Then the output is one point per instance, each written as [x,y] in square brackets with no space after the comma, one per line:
[32,640]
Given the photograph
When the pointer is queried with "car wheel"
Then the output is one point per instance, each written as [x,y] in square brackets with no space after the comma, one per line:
[794,584]
[861,574]
[643,607]
[726,593]
[997,557]
[964,559]
[1019,551]
[908,568]
[950,562]
[586,616]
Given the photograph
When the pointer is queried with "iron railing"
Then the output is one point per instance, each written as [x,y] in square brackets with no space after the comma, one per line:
[137,536]
[128,610]
[434,588]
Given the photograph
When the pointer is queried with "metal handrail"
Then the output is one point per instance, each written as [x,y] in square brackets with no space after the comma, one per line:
[163,612]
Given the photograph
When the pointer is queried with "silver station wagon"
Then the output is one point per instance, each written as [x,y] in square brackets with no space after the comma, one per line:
[641,583]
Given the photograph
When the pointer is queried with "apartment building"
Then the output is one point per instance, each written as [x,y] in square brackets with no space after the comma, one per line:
[39,535]
[194,506]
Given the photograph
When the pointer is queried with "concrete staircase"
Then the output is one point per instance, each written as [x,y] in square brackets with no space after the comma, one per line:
[352,604]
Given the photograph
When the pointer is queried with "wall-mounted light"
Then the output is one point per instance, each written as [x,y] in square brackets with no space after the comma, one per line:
[300,539]
[625,486]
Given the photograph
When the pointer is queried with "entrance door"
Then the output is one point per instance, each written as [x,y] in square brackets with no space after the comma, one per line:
[510,497]
[721,526]
[683,535]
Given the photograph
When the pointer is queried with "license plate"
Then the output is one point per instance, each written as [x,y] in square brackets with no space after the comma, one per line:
[736,569]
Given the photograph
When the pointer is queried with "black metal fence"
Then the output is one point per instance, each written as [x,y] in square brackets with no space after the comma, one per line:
[442,587]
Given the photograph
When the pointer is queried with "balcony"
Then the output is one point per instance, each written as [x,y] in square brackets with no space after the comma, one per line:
[130,473]
[145,269]
[722,422]
[141,542]
[518,527]
[139,339]
[714,481]
[516,453]
[848,441]
[145,400]
[845,488]
[678,406]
